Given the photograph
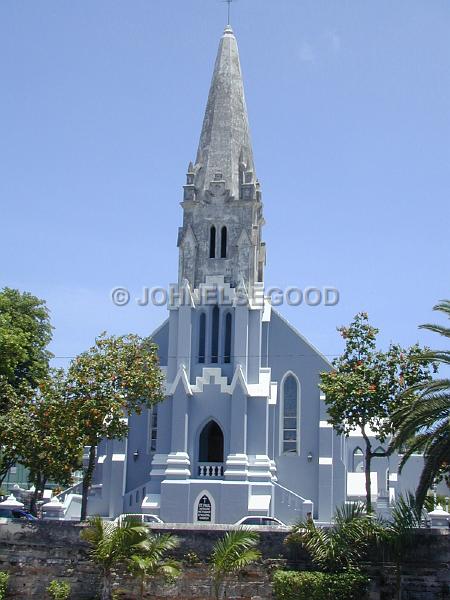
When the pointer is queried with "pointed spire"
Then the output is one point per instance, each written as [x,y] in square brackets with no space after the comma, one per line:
[225,138]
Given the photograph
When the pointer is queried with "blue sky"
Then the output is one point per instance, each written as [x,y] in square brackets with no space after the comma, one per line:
[101,107]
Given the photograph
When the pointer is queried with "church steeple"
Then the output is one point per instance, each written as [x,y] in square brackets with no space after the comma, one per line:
[225,146]
[222,209]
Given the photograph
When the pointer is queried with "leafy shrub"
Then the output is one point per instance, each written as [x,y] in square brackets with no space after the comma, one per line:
[294,585]
[4,577]
[342,546]
[59,590]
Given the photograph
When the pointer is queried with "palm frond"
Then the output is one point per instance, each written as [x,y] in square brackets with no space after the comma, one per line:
[344,544]
[234,551]
[436,385]
[150,561]
[349,512]
[112,543]
[94,531]
[170,569]
[437,454]
[443,306]
[445,331]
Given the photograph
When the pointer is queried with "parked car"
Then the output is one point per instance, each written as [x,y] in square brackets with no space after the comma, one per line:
[144,519]
[16,513]
[260,522]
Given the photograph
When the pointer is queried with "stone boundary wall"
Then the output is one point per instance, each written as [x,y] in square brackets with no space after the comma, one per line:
[36,553]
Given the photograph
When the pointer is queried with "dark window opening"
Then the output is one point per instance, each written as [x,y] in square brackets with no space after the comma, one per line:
[202,338]
[227,344]
[223,243]
[211,444]
[153,427]
[215,335]
[212,242]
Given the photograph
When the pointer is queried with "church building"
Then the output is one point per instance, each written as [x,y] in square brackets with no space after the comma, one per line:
[243,428]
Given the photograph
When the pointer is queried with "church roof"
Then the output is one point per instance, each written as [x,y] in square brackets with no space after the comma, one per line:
[225,139]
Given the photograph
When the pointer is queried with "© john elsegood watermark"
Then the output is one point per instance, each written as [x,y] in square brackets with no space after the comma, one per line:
[209,295]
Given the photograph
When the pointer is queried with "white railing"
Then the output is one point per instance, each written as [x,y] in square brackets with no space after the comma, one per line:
[210,470]
[73,489]
[290,507]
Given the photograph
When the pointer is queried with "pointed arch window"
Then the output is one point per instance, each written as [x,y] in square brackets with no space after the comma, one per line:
[212,242]
[215,335]
[290,408]
[358,460]
[223,242]
[211,443]
[227,340]
[202,338]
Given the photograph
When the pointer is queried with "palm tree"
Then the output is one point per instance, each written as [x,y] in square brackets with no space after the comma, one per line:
[399,533]
[112,544]
[343,545]
[424,425]
[231,554]
[150,561]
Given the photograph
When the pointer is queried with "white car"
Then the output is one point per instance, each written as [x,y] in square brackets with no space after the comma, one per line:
[143,518]
[251,521]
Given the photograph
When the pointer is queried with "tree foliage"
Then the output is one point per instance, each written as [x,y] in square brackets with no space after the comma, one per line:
[4,578]
[25,333]
[343,545]
[41,428]
[150,560]
[59,590]
[367,386]
[118,376]
[423,424]
[112,544]
[236,550]
[14,396]
[129,543]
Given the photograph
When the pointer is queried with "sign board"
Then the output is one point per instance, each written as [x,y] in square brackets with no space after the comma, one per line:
[204,511]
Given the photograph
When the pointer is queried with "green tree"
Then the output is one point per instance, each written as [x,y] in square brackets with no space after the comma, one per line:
[25,332]
[235,551]
[118,376]
[13,397]
[423,424]
[366,386]
[41,427]
[399,533]
[113,544]
[151,560]
[342,546]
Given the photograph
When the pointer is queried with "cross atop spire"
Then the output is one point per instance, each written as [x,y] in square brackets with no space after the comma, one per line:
[229,10]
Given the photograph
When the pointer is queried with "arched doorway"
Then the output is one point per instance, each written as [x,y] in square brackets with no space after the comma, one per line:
[211,444]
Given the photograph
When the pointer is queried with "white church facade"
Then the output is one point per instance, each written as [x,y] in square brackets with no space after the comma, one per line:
[243,428]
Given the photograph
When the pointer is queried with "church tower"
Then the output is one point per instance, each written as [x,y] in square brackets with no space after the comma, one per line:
[242,429]
[217,376]
[222,208]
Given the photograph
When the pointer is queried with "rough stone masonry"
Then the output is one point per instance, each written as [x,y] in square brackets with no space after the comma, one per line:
[36,553]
